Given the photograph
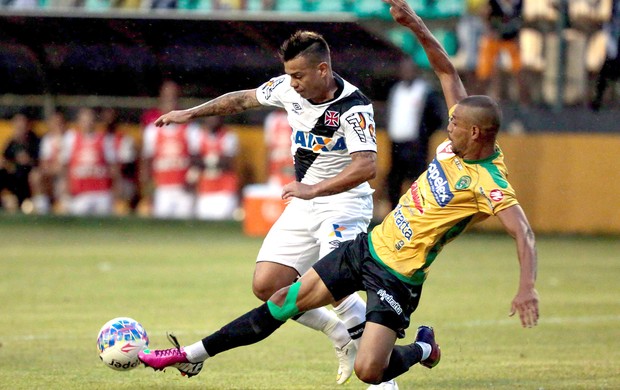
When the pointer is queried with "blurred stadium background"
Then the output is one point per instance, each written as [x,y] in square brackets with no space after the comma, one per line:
[61,278]
[103,53]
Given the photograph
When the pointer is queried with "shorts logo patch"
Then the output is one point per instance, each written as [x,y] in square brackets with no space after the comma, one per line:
[384,296]
[334,244]
[337,232]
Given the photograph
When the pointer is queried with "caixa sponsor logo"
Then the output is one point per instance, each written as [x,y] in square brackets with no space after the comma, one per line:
[439,184]
[317,143]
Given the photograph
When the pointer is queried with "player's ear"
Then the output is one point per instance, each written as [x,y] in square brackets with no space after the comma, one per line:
[323,68]
[475,132]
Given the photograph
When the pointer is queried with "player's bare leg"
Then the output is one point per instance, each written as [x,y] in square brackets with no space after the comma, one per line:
[379,359]
[270,277]
[373,357]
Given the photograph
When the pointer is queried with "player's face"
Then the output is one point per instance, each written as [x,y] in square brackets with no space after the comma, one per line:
[86,119]
[459,131]
[307,78]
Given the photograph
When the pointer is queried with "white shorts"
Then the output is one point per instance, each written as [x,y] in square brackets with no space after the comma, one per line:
[216,206]
[308,230]
[173,202]
[91,203]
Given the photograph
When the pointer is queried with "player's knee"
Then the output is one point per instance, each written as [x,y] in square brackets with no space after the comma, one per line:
[267,281]
[368,371]
[262,290]
[283,304]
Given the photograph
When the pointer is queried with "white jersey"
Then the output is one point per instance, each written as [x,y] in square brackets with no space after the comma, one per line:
[324,135]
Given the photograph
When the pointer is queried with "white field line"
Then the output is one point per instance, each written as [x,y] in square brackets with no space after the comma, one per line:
[459,325]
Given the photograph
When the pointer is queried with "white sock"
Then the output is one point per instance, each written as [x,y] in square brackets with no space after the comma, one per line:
[426,350]
[352,312]
[196,352]
[327,322]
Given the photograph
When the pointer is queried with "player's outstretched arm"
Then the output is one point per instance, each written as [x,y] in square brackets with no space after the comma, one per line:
[451,83]
[227,104]
[526,301]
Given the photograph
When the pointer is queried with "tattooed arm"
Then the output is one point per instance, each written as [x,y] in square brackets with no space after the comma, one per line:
[227,104]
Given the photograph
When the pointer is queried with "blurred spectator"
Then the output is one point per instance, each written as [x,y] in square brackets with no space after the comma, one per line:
[90,172]
[214,173]
[277,133]
[611,67]
[159,4]
[45,180]
[230,4]
[4,181]
[503,20]
[43,4]
[21,155]
[126,157]
[19,4]
[166,157]
[469,30]
[269,5]
[414,112]
[168,100]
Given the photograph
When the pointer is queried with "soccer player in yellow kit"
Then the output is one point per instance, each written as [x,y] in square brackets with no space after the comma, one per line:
[464,184]
[450,196]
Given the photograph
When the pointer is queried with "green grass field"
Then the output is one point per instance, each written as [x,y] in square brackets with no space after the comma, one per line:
[62,278]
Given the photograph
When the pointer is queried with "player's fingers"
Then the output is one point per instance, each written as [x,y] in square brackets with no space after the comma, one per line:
[522,316]
[529,315]
[534,314]
[532,321]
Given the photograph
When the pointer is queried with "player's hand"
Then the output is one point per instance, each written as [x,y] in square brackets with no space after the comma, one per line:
[401,11]
[299,190]
[526,303]
[177,116]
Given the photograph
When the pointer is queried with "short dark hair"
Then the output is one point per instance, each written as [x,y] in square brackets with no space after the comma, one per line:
[486,112]
[306,43]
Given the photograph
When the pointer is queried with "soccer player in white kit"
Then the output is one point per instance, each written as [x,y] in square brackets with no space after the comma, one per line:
[334,147]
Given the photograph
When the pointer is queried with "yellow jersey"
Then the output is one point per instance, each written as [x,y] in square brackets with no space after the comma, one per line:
[451,195]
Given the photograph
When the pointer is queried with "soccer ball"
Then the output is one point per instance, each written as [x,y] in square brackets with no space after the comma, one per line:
[119,342]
